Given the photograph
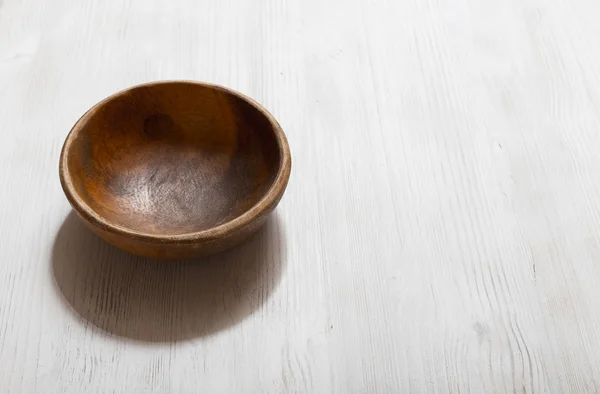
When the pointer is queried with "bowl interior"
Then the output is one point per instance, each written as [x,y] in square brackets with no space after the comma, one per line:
[173,158]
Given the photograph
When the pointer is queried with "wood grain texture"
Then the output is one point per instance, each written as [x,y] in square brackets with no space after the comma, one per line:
[175,169]
[439,235]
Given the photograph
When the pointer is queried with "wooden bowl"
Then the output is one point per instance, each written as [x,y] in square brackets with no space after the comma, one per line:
[175,170]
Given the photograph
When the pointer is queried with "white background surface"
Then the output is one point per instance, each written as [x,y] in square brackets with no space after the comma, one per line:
[439,232]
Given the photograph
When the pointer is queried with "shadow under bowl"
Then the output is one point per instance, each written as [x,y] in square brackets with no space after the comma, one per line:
[176,169]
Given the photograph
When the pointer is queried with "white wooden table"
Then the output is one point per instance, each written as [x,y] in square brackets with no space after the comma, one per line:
[440,232]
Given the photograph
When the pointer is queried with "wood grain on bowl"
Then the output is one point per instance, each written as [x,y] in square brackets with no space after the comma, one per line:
[175,169]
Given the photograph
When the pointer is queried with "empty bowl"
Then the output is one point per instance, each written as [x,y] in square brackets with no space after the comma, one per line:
[175,170]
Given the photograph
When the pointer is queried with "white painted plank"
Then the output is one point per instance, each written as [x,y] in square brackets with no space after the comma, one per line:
[439,233]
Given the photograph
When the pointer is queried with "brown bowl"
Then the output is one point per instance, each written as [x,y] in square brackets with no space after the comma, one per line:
[175,170]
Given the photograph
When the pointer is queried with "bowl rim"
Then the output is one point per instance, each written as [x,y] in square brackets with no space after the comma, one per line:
[262,207]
